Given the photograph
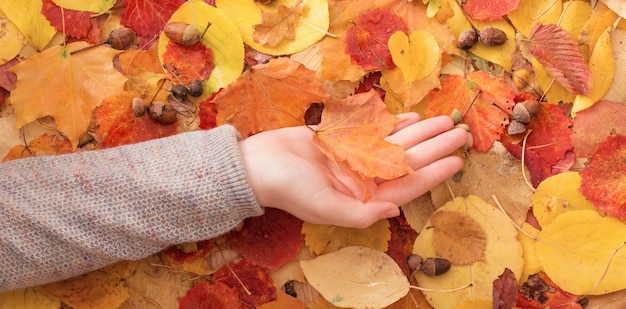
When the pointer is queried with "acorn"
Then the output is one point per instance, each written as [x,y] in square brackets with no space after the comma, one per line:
[162,113]
[515,127]
[179,91]
[139,107]
[525,111]
[182,33]
[456,116]
[196,87]
[414,262]
[121,38]
[435,266]
[491,36]
[467,39]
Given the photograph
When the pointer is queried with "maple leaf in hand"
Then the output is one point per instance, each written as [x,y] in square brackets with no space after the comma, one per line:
[68,89]
[277,25]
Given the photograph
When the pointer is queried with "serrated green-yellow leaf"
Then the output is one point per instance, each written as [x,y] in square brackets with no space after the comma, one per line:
[26,15]
[11,40]
[556,195]
[95,6]
[416,55]
[578,247]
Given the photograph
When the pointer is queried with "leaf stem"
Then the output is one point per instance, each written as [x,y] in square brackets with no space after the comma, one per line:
[523,161]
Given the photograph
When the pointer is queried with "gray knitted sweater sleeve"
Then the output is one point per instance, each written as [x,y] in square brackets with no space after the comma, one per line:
[61,216]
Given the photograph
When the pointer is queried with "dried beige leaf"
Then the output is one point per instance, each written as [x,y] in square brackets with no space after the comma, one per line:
[457,237]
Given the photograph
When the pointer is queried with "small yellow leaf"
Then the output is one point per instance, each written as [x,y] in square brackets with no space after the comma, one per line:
[416,55]
[95,6]
[11,40]
[578,252]
[328,238]
[26,16]
[457,237]
[358,277]
[558,194]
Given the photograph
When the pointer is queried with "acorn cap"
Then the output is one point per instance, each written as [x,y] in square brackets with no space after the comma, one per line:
[121,38]
[435,266]
[515,127]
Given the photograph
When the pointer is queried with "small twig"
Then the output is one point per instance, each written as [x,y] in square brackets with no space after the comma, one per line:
[523,161]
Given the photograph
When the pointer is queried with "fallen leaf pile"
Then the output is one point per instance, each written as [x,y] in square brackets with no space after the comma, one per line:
[534,219]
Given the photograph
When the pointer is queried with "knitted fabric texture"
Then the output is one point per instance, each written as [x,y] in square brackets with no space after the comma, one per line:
[62,216]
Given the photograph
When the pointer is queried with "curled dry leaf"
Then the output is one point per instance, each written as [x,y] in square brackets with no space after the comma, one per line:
[278,25]
[458,237]
[358,277]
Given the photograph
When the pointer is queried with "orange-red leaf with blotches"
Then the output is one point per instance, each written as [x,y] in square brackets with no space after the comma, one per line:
[593,125]
[43,145]
[254,278]
[366,40]
[148,17]
[207,295]
[540,292]
[76,24]
[486,121]
[483,10]
[188,63]
[353,131]
[269,240]
[604,177]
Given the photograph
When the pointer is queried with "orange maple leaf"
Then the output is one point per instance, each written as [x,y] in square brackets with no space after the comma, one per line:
[353,131]
[277,25]
[43,145]
[269,96]
[65,86]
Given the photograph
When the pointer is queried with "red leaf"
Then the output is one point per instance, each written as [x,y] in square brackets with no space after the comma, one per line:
[366,40]
[186,64]
[177,256]
[505,290]
[256,280]
[205,295]
[558,52]
[207,112]
[485,120]
[148,17]
[593,125]
[489,9]
[76,24]
[604,177]
[269,240]
[401,242]
[539,292]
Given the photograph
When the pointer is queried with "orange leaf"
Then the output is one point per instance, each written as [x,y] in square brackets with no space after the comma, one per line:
[353,130]
[188,63]
[43,145]
[253,282]
[559,53]
[541,292]
[278,25]
[140,66]
[69,89]
[207,295]
[269,96]
[483,10]
[458,237]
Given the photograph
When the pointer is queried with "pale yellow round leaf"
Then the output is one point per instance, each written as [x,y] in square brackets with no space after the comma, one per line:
[11,40]
[95,6]
[357,277]
[26,16]
[558,194]
[416,55]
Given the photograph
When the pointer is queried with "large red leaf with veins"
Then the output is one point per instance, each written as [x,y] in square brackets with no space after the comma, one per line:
[269,240]
[148,17]
[186,64]
[595,124]
[366,40]
[489,9]
[259,287]
[486,121]
[604,177]
[76,24]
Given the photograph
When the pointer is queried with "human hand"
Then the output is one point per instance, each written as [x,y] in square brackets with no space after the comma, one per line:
[289,172]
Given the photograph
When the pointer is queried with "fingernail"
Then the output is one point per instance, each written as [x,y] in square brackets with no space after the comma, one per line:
[392,212]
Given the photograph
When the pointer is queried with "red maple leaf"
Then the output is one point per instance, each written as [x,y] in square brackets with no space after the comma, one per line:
[186,64]
[366,40]
[604,177]
[539,292]
[208,295]
[505,290]
[76,24]
[485,120]
[489,9]
[207,112]
[259,288]
[148,17]
[269,240]
[593,125]
[401,242]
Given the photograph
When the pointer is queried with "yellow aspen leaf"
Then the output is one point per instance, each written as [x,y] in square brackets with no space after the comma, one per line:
[11,40]
[69,89]
[312,26]
[578,252]
[357,277]
[558,194]
[28,298]
[602,67]
[95,6]
[457,237]
[417,54]
[532,265]
[322,239]
[405,96]
[278,25]
[575,11]
[555,92]
[26,16]
[503,250]
[539,11]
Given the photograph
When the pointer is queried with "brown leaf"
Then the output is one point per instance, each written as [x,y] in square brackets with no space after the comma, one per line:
[457,237]
[505,290]
[278,25]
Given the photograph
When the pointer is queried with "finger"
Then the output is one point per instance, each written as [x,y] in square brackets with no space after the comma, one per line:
[407,120]
[435,148]
[403,190]
[420,131]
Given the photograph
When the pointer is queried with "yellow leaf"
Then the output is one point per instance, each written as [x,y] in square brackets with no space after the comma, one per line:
[68,89]
[328,238]
[11,40]
[416,55]
[575,11]
[404,95]
[618,6]
[578,252]
[29,298]
[457,237]
[222,38]
[357,277]
[503,250]
[278,25]
[26,16]
[539,11]
[531,262]
[602,67]
[558,194]
[247,13]
[95,6]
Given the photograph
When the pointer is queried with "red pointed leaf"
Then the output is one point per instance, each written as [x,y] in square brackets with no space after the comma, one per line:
[558,52]
[148,17]
[256,280]
[186,64]
[489,9]
[74,23]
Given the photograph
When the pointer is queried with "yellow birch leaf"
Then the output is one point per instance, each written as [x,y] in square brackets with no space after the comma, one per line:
[328,238]
[555,92]
[357,277]
[531,262]
[64,86]
[26,16]
[575,11]
[311,28]
[558,194]
[95,6]
[11,40]
[416,55]
[503,250]
[457,237]
[28,298]
[578,252]
[538,11]
[602,67]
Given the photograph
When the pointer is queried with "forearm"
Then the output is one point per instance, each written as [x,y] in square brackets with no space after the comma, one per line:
[65,215]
